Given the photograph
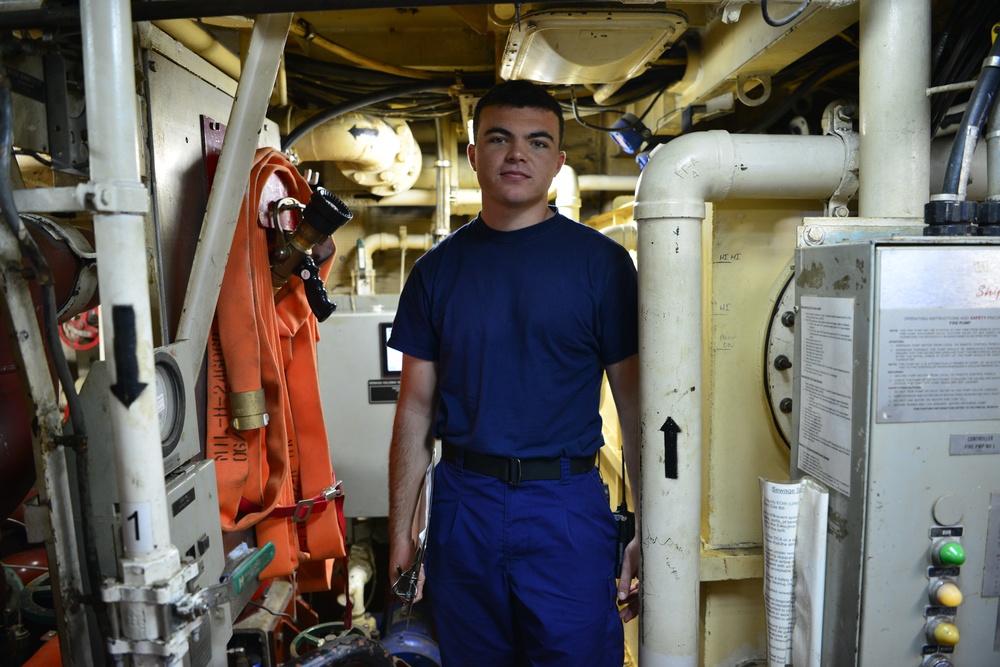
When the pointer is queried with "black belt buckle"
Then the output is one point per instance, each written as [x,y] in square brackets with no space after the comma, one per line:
[513,472]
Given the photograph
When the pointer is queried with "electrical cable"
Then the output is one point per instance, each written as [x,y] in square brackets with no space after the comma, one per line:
[631,125]
[957,55]
[777,23]
[956,173]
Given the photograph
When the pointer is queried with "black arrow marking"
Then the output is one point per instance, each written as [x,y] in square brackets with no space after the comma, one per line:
[670,430]
[358,132]
[128,387]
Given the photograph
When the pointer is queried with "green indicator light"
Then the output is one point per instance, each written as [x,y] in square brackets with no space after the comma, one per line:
[951,553]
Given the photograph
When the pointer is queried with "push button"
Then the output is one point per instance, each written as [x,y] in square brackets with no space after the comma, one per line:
[945,592]
[947,552]
[942,632]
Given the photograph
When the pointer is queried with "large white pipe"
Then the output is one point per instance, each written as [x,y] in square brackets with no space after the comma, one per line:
[626,234]
[679,179]
[895,121]
[113,126]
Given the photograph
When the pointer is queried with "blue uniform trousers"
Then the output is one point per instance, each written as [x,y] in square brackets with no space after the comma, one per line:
[523,575]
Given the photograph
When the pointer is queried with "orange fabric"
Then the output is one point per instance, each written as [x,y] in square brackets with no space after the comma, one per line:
[48,654]
[260,340]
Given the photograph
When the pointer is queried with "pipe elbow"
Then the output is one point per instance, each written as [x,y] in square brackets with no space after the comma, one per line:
[696,168]
[684,174]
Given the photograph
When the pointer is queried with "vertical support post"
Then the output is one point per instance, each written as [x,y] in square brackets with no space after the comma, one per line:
[231,177]
[895,121]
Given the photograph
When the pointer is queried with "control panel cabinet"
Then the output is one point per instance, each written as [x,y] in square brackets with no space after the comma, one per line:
[897,410]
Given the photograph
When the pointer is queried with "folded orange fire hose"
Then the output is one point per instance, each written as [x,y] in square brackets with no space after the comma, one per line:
[275,475]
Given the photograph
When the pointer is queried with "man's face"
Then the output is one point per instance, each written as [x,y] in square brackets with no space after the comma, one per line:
[516,156]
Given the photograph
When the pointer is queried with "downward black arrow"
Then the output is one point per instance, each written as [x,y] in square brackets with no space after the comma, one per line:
[670,430]
[358,132]
[128,387]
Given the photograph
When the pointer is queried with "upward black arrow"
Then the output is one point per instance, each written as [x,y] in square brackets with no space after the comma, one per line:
[670,430]
[128,387]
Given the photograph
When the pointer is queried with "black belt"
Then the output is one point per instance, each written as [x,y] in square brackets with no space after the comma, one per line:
[512,470]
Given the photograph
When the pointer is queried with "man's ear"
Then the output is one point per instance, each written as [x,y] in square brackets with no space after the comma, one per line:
[471,152]
[562,160]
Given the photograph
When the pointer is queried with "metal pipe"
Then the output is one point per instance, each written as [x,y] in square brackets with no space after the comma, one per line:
[231,177]
[202,42]
[567,188]
[894,111]
[374,243]
[626,234]
[679,179]
[442,202]
[113,126]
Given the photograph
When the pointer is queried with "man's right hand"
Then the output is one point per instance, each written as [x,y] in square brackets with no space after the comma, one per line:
[400,561]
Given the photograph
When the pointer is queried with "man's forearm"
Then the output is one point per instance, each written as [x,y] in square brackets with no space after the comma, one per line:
[409,456]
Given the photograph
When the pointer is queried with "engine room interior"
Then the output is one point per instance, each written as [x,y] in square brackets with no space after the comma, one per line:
[212,209]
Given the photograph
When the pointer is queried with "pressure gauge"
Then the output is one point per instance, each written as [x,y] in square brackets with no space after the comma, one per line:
[170,407]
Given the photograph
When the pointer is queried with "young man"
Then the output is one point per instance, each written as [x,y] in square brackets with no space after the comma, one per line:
[506,328]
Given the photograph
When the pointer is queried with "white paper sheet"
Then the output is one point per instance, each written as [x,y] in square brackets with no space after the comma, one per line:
[794,517]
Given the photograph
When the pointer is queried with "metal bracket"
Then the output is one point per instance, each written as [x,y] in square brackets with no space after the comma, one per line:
[732,10]
[838,120]
[110,198]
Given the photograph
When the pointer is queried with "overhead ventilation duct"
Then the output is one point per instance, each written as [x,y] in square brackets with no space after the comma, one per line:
[587,47]
[379,154]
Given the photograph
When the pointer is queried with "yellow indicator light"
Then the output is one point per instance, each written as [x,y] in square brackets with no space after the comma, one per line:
[948,594]
[946,634]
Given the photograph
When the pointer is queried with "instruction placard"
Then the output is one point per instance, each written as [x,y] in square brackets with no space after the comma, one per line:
[939,364]
[827,381]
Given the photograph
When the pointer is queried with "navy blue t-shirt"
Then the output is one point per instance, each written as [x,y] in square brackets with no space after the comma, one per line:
[521,324]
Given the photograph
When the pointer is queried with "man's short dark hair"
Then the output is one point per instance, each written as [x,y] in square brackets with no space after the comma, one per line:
[518,95]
